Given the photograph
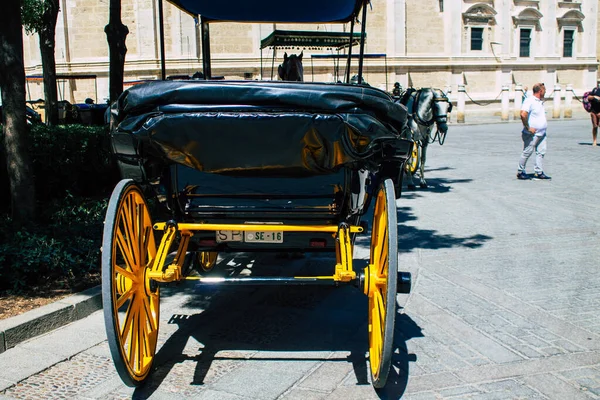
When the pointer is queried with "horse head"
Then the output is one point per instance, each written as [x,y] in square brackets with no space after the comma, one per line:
[291,69]
[426,106]
[441,108]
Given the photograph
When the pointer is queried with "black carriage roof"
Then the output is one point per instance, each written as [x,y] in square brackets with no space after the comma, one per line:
[335,40]
[304,11]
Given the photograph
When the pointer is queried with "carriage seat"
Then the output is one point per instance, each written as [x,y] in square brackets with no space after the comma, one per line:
[258,127]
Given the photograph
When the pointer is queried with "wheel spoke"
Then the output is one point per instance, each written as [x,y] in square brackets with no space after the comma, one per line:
[377,308]
[127,274]
[124,297]
[144,245]
[129,313]
[132,333]
[383,255]
[138,342]
[127,220]
[125,251]
[381,306]
[149,313]
[132,228]
[377,325]
[140,232]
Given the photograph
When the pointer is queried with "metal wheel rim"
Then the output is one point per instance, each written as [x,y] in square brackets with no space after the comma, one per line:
[383,267]
[131,304]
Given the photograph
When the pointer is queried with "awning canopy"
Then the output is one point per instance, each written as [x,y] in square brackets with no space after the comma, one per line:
[62,76]
[305,11]
[336,40]
[335,56]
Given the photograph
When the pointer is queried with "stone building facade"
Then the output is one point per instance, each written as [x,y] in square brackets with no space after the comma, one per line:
[483,44]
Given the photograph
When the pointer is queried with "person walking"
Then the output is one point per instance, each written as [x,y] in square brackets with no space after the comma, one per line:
[534,121]
[594,99]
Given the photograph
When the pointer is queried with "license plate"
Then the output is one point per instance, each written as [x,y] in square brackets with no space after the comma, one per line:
[250,236]
[263,237]
[230,236]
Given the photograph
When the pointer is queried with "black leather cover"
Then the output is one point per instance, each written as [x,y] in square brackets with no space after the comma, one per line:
[261,128]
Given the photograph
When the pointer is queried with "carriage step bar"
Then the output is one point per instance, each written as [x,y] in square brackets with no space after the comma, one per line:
[403,286]
[283,281]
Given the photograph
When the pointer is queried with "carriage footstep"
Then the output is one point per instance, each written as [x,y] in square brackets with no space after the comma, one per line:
[291,254]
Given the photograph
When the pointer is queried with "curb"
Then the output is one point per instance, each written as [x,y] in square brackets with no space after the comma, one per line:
[496,120]
[38,321]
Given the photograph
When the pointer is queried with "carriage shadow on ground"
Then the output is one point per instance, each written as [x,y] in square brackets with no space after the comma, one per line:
[222,329]
[435,185]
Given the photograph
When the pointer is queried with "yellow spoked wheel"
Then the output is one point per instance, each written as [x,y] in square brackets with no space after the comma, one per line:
[381,279]
[130,299]
[206,260]
[413,161]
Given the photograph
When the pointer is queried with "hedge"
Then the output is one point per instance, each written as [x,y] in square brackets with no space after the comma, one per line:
[74,177]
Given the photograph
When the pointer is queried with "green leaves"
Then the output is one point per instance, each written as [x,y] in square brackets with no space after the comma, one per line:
[65,245]
[74,177]
[34,12]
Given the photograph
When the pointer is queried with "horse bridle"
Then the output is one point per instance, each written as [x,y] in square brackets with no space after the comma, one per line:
[439,136]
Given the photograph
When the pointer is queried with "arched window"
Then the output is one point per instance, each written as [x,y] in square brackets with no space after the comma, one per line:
[570,23]
[478,22]
[527,22]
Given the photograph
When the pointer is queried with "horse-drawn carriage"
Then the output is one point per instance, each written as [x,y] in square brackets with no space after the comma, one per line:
[231,166]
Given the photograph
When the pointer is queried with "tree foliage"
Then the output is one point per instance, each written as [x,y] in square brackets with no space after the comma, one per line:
[32,12]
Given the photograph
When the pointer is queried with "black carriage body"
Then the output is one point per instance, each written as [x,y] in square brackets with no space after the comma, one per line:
[239,152]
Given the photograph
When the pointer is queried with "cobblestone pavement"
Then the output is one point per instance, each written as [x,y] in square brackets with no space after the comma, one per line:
[504,305]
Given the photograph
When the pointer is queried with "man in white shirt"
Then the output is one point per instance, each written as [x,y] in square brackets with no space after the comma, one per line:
[534,121]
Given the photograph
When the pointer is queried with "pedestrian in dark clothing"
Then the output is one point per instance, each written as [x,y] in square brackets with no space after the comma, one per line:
[594,99]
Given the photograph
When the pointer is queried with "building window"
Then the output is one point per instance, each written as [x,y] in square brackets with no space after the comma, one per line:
[476,38]
[568,43]
[525,43]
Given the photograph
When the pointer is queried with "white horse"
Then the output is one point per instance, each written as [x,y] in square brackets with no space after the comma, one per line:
[426,107]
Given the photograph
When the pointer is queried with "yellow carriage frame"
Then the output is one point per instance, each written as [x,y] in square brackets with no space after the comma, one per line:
[134,265]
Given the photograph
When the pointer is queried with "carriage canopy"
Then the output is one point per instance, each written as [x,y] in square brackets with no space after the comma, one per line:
[320,39]
[307,11]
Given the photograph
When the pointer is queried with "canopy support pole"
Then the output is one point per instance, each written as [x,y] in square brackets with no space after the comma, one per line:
[273,61]
[349,63]
[362,43]
[161,29]
[386,73]
[205,48]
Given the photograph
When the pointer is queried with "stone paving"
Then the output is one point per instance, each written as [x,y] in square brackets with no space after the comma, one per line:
[505,300]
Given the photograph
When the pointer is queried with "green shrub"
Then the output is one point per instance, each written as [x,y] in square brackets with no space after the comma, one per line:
[74,177]
[71,158]
[65,244]
[67,158]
